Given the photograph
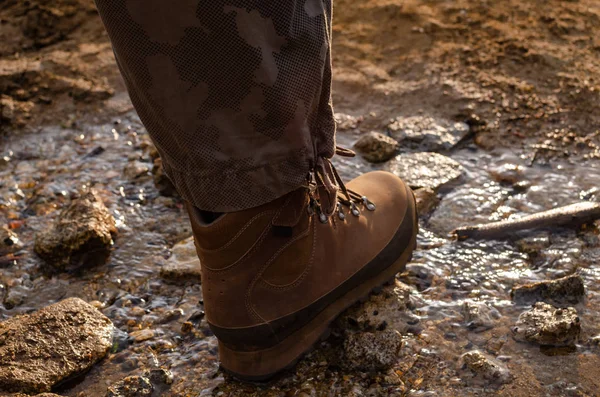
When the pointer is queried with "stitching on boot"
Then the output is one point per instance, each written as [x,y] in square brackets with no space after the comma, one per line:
[249,309]
[245,256]
[307,269]
[238,234]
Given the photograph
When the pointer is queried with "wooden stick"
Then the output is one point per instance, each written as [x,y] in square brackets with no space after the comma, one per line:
[574,214]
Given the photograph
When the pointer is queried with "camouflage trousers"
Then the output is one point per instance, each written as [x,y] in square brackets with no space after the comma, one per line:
[235,94]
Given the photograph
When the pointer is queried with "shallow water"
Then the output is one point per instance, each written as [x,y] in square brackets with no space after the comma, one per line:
[42,171]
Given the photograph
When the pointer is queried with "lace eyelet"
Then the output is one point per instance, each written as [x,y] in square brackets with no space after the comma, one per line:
[368,204]
[354,209]
[341,214]
[323,218]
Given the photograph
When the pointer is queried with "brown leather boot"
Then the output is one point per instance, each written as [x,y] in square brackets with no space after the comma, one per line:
[275,277]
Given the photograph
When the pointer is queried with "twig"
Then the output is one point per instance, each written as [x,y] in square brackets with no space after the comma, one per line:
[571,215]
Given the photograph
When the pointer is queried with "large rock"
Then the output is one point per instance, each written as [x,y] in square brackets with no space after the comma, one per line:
[376,147]
[81,235]
[548,326]
[39,350]
[425,170]
[183,266]
[566,290]
[428,133]
[479,369]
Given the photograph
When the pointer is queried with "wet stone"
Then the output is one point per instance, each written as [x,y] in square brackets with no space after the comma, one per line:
[479,369]
[425,170]
[121,340]
[427,200]
[40,350]
[508,173]
[135,170]
[82,234]
[183,266]
[142,335]
[478,316]
[428,133]
[390,306]
[371,351]
[563,291]
[131,386]
[376,147]
[9,241]
[160,378]
[534,244]
[547,325]
[345,122]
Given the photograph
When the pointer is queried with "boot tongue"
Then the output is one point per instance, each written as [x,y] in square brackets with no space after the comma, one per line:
[292,209]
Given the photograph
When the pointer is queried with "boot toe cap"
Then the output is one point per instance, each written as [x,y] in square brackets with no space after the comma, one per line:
[388,192]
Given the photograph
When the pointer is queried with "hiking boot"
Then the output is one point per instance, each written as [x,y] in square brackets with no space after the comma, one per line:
[276,276]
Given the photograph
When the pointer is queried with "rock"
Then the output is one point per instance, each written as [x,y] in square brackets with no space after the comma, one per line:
[534,244]
[135,169]
[142,335]
[388,306]
[418,274]
[425,170]
[594,340]
[547,325]
[39,350]
[9,241]
[153,383]
[477,368]
[183,266]
[121,340]
[345,122]
[13,112]
[479,316]
[566,290]
[131,386]
[376,147]
[371,351]
[170,315]
[429,133]
[508,173]
[427,200]
[160,378]
[81,235]
[161,180]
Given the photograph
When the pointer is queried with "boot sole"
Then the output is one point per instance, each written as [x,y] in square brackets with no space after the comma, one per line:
[262,365]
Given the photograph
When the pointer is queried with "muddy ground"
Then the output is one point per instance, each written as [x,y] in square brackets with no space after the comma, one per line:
[523,75]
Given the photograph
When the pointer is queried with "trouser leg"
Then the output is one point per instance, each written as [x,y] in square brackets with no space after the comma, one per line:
[235,94]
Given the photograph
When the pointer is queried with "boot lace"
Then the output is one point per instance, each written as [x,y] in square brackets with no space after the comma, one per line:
[329,195]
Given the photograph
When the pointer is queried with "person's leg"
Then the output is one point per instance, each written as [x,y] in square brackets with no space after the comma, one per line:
[236,96]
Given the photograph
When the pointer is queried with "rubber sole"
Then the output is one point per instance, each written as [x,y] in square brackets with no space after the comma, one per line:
[262,365]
